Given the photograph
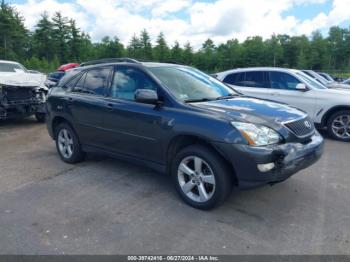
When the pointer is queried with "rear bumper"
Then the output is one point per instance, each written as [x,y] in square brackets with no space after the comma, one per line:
[288,159]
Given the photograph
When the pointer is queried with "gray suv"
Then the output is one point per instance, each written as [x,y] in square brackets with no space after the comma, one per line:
[180,121]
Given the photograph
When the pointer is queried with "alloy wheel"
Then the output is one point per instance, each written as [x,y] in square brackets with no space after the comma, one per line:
[65,143]
[196,179]
[341,126]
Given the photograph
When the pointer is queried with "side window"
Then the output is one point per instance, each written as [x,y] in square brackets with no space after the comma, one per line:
[235,79]
[96,81]
[285,81]
[127,80]
[256,79]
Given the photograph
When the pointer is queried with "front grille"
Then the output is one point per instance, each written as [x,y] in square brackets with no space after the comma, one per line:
[302,127]
[14,94]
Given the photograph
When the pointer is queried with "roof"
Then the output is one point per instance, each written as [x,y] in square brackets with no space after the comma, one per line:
[256,69]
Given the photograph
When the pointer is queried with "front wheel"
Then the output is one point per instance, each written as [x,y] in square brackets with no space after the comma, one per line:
[201,177]
[338,125]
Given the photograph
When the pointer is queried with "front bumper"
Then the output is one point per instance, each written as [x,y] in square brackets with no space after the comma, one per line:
[288,158]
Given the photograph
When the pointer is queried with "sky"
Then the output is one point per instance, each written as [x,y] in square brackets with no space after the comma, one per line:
[193,20]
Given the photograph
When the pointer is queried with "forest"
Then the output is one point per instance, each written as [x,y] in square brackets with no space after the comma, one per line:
[56,40]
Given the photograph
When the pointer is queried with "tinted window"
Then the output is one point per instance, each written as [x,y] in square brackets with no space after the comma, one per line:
[96,81]
[127,80]
[256,79]
[235,79]
[281,80]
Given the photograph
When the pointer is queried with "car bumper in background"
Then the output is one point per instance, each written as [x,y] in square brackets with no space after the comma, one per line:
[286,160]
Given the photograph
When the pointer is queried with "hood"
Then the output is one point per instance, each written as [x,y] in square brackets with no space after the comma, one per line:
[22,79]
[339,86]
[253,110]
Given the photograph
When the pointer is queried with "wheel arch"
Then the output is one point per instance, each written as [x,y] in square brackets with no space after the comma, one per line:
[181,141]
[331,111]
[57,120]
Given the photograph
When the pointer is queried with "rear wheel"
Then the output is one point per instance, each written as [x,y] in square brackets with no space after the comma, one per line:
[67,144]
[201,177]
[338,125]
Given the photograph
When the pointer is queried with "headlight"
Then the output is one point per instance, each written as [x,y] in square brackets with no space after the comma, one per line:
[257,135]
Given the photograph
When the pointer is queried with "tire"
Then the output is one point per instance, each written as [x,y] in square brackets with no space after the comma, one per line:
[40,117]
[68,145]
[337,124]
[212,166]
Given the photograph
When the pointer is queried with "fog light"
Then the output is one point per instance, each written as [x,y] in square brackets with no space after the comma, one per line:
[266,167]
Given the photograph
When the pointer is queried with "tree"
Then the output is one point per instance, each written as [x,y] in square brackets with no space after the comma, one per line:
[146,46]
[43,38]
[134,48]
[13,35]
[161,50]
[110,48]
[61,36]
[176,53]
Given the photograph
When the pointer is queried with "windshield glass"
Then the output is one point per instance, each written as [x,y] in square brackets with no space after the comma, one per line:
[11,68]
[189,84]
[310,81]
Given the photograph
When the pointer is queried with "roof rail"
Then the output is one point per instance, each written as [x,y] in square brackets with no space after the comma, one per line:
[109,60]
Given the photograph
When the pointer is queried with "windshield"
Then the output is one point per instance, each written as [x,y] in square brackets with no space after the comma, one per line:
[347,82]
[310,81]
[11,68]
[190,85]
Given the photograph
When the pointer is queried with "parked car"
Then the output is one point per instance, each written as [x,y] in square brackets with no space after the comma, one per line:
[328,108]
[178,120]
[326,76]
[22,92]
[66,67]
[54,77]
[317,77]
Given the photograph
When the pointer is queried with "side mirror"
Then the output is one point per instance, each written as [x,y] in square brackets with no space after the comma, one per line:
[301,87]
[146,96]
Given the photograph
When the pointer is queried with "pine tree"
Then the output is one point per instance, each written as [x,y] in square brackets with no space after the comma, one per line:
[177,53]
[43,38]
[161,50]
[61,36]
[146,46]
[134,48]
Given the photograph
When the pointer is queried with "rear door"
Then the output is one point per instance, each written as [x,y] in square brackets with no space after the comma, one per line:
[86,104]
[251,83]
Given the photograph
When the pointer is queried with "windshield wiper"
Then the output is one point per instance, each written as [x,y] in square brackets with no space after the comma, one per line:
[205,99]
[226,97]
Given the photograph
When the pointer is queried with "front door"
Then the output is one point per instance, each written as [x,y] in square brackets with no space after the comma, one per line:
[134,129]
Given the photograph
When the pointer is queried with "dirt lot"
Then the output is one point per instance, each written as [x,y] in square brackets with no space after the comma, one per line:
[104,206]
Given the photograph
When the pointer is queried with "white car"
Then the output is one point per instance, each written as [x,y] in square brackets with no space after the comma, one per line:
[328,108]
[22,92]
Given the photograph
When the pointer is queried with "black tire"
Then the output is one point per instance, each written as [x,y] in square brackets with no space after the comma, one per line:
[77,154]
[330,129]
[40,117]
[222,173]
